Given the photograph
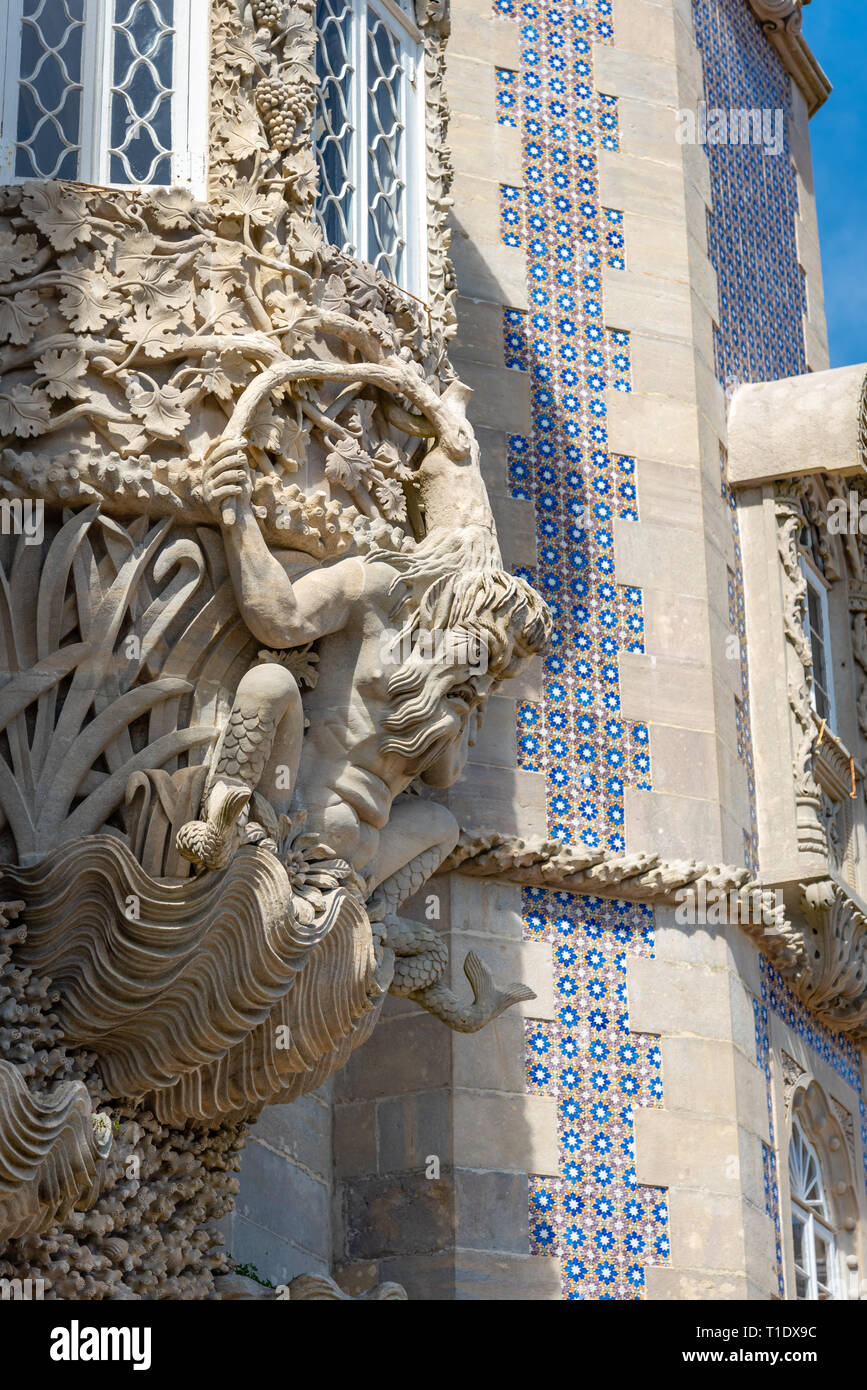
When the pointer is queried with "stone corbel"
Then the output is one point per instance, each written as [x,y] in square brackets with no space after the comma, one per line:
[832,979]
[782,22]
[799,425]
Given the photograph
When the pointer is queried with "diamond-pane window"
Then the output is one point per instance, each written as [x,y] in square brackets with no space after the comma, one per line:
[370,135]
[104,92]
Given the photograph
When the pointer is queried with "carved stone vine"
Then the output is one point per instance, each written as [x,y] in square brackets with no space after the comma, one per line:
[790,521]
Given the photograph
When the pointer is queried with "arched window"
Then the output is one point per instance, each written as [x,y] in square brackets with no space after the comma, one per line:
[105,92]
[370,135]
[815,1247]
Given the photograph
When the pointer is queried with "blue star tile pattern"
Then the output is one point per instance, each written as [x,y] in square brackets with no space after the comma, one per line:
[761,288]
[579,487]
[507,96]
[604,1228]
[836,1051]
[511,215]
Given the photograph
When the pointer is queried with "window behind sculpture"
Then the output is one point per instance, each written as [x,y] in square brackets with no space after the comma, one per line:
[370,135]
[812,1233]
[110,92]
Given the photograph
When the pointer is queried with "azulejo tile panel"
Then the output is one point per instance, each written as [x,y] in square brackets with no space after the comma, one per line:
[751,228]
[752,247]
[602,1225]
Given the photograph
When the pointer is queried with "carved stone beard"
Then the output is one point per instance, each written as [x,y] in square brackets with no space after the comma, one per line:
[417,731]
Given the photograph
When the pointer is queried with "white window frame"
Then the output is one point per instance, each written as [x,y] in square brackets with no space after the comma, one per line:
[189,96]
[413,164]
[813,1215]
[813,1227]
[817,585]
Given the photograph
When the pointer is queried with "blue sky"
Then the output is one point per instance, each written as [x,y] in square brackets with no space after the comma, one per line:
[836,30]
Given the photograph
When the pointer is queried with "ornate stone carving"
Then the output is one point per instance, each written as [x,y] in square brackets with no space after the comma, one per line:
[782,21]
[779,14]
[792,1073]
[262,502]
[790,521]
[832,979]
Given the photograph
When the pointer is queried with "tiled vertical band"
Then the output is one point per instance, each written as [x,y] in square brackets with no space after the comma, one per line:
[603,1226]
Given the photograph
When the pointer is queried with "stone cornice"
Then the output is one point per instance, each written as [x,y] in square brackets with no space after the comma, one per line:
[781,21]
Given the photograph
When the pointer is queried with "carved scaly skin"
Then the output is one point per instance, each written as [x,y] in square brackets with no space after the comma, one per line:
[244,748]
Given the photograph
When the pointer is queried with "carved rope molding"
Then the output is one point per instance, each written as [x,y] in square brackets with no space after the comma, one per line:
[824,960]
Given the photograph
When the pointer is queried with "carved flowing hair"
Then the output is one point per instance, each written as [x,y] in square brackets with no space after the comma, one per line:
[496,610]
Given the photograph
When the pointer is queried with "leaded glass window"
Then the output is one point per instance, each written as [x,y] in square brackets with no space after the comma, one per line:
[105,92]
[370,135]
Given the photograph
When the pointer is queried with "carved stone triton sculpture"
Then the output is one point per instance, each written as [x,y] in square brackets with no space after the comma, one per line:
[257,630]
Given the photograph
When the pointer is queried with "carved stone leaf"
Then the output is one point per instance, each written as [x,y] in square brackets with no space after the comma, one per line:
[171,207]
[246,53]
[158,286]
[162,408]
[294,313]
[293,444]
[88,300]
[153,336]
[61,213]
[151,280]
[383,328]
[224,315]
[308,242]
[265,429]
[16,253]
[302,167]
[243,137]
[62,371]
[330,295]
[389,495]
[220,267]
[346,464]
[364,286]
[219,376]
[19,316]
[245,200]
[25,411]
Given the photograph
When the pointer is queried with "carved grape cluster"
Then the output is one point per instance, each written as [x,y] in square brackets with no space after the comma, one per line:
[268,13]
[282,105]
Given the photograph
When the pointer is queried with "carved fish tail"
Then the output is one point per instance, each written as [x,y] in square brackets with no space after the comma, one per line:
[488,1000]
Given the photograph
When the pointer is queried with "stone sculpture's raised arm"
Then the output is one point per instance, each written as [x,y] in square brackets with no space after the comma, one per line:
[279,612]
